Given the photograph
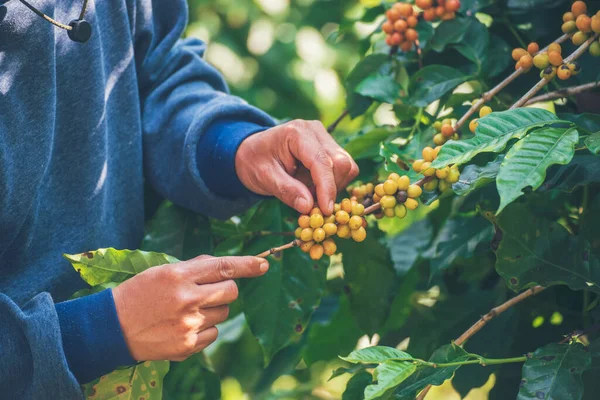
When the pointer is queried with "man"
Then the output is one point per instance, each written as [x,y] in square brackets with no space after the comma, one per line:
[81,126]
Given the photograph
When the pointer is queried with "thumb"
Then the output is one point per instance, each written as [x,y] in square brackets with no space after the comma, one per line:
[291,191]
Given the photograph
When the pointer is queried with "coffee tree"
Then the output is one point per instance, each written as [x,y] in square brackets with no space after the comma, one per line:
[468,246]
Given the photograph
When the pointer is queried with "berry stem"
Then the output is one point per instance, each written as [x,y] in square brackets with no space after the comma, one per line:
[483,321]
[498,88]
[274,250]
[543,82]
[565,92]
[419,53]
[339,119]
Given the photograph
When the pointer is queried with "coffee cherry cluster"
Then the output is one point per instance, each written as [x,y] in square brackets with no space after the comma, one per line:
[402,20]
[445,131]
[441,179]
[316,230]
[483,112]
[550,63]
[361,192]
[581,26]
[397,195]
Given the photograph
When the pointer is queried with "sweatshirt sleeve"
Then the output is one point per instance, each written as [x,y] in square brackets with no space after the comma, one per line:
[188,114]
[32,360]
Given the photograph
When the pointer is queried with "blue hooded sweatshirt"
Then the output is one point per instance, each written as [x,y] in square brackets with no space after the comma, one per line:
[82,127]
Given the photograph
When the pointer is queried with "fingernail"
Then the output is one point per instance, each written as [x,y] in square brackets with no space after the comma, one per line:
[301,204]
[264,267]
[330,207]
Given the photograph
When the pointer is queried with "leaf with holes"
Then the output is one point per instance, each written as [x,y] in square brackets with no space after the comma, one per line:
[554,372]
[537,251]
[111,265]
[526,163]
[143,381]
[279,304]
[432,82]
[493,134]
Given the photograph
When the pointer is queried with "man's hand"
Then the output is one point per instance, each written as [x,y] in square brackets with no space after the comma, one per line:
[292,162]
[170,312]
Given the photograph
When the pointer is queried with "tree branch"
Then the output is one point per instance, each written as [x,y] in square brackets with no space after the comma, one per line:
[339,119]
[490,94]
[483,321]
[576,54]
[566,92]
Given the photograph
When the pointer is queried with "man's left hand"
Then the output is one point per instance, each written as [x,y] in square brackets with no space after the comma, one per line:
[294,162]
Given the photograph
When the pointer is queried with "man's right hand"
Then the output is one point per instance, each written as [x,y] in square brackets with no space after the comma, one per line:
[170,312]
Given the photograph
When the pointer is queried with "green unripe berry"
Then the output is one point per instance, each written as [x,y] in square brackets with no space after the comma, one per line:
[414,191]
[595,49]
[387,202]
[431,185]
[541,61]
[444,185]
[439,139]
[453,176]
[437,125]
[400,211]
[569,27]
[579,38]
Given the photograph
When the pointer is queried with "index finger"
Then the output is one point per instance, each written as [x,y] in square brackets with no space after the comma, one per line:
[219,269]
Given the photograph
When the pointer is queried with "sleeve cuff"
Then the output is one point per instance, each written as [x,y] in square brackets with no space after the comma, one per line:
[92,339]
[216,156]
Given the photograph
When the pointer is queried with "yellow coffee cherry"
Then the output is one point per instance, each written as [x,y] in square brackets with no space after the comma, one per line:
[304,221]
[316,252]
[358,209]
[359,234]
[444,185]
[329,247]
[342,217]
[426,165]
[389,212]
[370,188]
[315,211]
[439,139]
[319,235]
[442,173]
[473,125]
[414,191]
[343,231]
[411,204]
[437,125]
[330,229]
[428,154]
[428,171]
[298,232]
[436,151]
[453,175]
[305,246]
[347,205]
[388,202]
[403,182]
[379,190]
[376,198]
[418,165]
[316,221]
[431,185]
[329,219]
[400,211]
[355,222]
[336,207]
[390,187]
[393,176]
[485,111]
[306,235]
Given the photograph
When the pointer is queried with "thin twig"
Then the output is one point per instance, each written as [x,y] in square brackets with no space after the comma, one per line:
[339,119]
[490,94]
[274,250]
[543,82]
[565,92]
[494,312]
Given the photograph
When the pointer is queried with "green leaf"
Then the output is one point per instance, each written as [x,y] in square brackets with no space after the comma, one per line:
[475,42]
[473,177]
[408,246]
[432,376]
[279,304]
[526,163]
[536,251]
[582,170]
[554,372]
[372,64]
[459,238]
[449,32]
[111,265]
[368,269]
[366,144]
[177,232]
[355,388]
[470,7]
[389,375]
[432,82]
[593,143]
[145,380]
[192,379]
[382,88]
[493,134]
[498,57]
[376,355]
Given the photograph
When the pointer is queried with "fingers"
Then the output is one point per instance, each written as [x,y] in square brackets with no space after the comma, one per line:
[213,316]
[218,269]
[291,191]
[344,167]
[205,338]
[216,294]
